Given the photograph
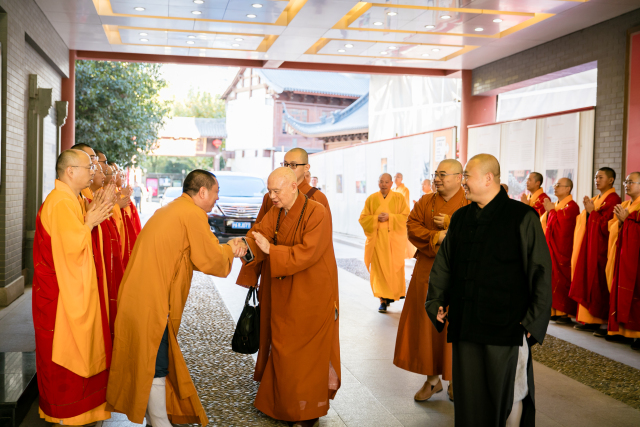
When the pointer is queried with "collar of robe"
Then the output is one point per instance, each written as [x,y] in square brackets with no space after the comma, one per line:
[560,204]
[491,208]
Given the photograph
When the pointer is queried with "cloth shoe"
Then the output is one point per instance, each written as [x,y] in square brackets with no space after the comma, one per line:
[564,320]
[554,318]
[587,327]
[427,391]
[636,345]
[450,390]
[383,305]
[307,423]
[600,333]
[619,338]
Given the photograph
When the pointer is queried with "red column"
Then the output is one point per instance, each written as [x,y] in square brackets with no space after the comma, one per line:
[69,94]
[474,110]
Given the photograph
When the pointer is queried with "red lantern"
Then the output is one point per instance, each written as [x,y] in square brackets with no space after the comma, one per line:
[217,143]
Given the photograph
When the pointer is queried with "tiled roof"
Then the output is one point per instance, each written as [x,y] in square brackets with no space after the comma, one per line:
[322,83]
[192,127]
[353,119]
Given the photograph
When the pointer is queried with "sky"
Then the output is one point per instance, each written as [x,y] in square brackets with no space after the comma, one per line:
[205,78]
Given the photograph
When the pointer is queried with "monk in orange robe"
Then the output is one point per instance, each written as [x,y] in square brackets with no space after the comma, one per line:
[537,195]
[419,346]
[384,221]
[410,250]
[589,259]
[123,217]
[559,224]
[426,188]
[175,242]
[294,242]
[624,259]
[70,308]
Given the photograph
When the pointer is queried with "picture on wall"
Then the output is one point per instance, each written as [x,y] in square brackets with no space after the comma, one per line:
[361,187]
[551,177]
[339,183]
[517,182]
[383,165]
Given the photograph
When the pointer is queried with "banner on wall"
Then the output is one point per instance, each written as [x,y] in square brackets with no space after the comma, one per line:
[561,145]
[484,139]
[444,145]
[520,146]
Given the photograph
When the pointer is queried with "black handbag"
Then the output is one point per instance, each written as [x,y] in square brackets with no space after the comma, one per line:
[246,338]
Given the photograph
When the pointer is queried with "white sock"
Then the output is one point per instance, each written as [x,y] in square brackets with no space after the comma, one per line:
[157,406]
[433,379]
[515,415]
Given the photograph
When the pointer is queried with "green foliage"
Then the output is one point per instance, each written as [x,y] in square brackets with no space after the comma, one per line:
[118,109]
[200,104]
[165,164]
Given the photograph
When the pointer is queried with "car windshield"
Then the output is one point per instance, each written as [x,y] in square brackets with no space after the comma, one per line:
[173,192]
[241,186]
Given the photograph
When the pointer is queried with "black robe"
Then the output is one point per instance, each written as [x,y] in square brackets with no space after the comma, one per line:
[483,373]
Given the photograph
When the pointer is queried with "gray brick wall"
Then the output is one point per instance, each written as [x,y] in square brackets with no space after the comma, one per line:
[605,43]
[19,59]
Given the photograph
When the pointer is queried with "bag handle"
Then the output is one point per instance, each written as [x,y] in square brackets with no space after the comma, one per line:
[252,292]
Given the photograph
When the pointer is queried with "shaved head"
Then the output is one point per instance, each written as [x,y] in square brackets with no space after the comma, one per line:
[563,188]
[387,175]
[567,182]
[537,177]
[482,179]
[609,172]
[284,174]
[300,158]
[448,178]
[452,165]
[68,158]
[283,188]
[196,180]
[487,164]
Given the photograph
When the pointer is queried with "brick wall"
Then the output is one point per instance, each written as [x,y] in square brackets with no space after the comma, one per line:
[50,60]
[605,43]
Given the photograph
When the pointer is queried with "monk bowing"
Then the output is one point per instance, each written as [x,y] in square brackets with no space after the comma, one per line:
[624,305]
[559,224]
[419,346]
[384,221]
[537,196]
[148,372]
[70,315]
[589,259]
[303,366]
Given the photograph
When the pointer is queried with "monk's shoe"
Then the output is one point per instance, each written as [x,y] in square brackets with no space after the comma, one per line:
[427,391]
[450,391]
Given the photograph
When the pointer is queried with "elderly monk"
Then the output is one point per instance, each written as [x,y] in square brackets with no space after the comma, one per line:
[419,346]
[559,224]
[175,241]
[624,254]
[410,250]
[537,195]
[293,241]
[70,315]
[589,259]
[492,275]
[384,221]
[426,188]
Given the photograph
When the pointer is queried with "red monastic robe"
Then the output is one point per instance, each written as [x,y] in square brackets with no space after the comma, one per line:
[130,235]
[536,201]
[135,218]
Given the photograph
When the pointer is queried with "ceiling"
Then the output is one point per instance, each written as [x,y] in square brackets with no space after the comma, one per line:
[433,34]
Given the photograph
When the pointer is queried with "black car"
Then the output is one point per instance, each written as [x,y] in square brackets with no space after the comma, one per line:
[236,210]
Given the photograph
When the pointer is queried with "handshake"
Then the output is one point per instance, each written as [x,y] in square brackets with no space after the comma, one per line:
[238,246]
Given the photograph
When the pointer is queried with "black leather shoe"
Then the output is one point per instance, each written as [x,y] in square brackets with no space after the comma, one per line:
[564,320]
[554,318]
[619,338]
[636,345]
[587,327]
[600,333]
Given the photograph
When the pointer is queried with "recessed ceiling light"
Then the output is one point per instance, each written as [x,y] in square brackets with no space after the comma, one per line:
[429,26]
[392,13]
[196,12]
[256,5]
[144,34]
[239,39]
[479,29]
[235,45]
[497,20]
[341,50]
[144,40]
[435,49]
[191,37]
[198,1]
[202,54]
[191,42]
[445,17]
[383,53]
[139,9]
[377,23]
[425,54]
[392,48]
[251,15]
[348,45]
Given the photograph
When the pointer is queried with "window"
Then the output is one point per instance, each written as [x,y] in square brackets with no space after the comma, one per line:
[299,115]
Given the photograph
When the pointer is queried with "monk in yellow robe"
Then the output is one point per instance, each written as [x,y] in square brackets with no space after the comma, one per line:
[294,240]
[419,346]
[70,307]
[384,221]
[410,250]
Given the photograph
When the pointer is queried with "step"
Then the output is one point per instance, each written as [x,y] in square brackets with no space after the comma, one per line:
[18,386]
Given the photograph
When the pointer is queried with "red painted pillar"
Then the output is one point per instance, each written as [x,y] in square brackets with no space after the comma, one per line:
[68,131]
[474,110]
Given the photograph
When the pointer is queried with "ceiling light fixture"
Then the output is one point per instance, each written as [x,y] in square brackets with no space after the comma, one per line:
[256,5]
[198,1]
[383,53]
[191,37]
[425,54]
[445,17]
[429,26]
[251,15]
[235,45]
[144,34]
[341,50]
[392,48]
[348,45]
[435,49]
[202,54]
[196,12]
[144,40]
[191,42]
[377,23]
[497,20]
[139,9]
[239,39]
[392,13]
[479,29]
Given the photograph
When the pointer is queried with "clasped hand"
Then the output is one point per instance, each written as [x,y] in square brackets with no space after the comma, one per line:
[100,208]
[621,212]
[548,205]
[439,220]
[239,247]
[588,204]
[383,217]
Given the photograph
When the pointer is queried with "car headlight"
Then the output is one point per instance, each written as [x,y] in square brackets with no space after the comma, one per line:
[216,211]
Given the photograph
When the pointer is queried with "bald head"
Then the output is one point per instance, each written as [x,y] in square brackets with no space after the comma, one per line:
[69,158]
[300,158]
[384,183]
[283,188]
[298,155]
[386,176]
[486,163]
[481,179]
[451,165]
[562,188]
[283,174]
[632,185]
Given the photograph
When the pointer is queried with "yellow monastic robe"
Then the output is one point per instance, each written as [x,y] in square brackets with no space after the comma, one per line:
[386,243]
[410,250]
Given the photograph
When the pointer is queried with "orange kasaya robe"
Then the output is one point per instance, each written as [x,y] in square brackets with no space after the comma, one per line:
[589,259]
[70,314]
[559,226]
[410,250]
[419,346]
[300,371]
[175,242]
[623,274]
[536,201]
[384,249]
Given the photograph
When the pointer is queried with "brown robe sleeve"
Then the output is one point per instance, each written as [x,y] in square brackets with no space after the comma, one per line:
[207,254]
[250,273]
[423,238]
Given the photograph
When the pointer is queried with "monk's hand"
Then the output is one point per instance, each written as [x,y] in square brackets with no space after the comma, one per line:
[438,220]
[442,315]
[100,210]
[442,234]
[524,198]
[383,217]
[238,247]
[588,204]
[621,213]
[124,202]
[262,242]
[548,205]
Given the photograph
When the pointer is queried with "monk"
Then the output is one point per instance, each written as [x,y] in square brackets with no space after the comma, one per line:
[426,188]
[624,240]
[410,250]
[559,224]
[537,195]
[154,290]
[307,177]
[123,217]
[70,314]
[589,258]
[384,221]
[293,241]
[419,346]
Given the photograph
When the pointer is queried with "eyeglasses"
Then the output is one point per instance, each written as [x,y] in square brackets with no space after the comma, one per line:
[442,175]
[630,182]
[465,176]
[94,158]
[102,161]
[91,168]
[292,165]
[558,185]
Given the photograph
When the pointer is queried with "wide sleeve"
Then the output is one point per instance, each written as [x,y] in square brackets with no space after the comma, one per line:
[424,239]
[266,227]
[207,254]
[368,220]
[537,262]
[398,220]
[249,274]
[439,282]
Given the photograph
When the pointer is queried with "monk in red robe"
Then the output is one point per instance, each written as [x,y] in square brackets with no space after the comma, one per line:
[123,216]
[293,241]
[537,195]
[624,303]
[419,346]
[589,259]
[559,224]
[70,308]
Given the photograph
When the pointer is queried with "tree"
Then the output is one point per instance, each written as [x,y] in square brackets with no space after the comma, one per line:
[164,164]
[118,109]
[200,104]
